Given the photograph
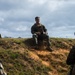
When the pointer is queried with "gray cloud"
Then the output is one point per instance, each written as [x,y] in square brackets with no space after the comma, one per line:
[17,17]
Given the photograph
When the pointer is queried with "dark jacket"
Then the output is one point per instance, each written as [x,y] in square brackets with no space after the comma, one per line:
[36,28]
[71,57]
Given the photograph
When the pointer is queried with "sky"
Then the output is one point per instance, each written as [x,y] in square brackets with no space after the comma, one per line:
[17,17]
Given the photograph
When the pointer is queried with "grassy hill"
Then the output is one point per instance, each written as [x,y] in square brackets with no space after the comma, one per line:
[20,58]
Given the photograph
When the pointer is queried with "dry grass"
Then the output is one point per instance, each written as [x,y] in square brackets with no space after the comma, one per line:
[18,57]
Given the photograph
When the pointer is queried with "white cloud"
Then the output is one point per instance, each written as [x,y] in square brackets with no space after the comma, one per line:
[1,19]
[54,5]
[37,2]
[21,28]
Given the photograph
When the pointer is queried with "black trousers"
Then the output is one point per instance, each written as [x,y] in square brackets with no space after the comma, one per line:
[41,38]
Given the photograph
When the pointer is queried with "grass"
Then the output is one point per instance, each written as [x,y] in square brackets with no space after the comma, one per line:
[15,56]
[16,63]
[62,42]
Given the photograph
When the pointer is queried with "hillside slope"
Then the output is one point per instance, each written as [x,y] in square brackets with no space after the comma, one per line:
[19,57]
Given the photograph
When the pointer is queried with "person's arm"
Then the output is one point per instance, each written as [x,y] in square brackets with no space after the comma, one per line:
[44,30]
[32,30]
[71,57]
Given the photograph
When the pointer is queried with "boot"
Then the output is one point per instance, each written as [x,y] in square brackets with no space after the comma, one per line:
[48,48]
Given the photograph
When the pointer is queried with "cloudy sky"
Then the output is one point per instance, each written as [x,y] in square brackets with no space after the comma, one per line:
[17,17]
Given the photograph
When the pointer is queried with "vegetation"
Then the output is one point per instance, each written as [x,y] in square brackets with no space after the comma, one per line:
[19,57]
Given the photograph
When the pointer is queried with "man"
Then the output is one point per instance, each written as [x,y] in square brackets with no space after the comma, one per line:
[40,32]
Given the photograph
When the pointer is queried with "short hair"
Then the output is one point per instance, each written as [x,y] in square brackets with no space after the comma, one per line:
[36,17]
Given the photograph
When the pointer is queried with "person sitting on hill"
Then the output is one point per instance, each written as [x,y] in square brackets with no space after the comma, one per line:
[40,32]
[71,61]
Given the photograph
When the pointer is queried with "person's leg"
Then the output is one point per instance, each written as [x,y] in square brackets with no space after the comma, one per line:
[48,41]
[40,39]
[35,39]
[46,37]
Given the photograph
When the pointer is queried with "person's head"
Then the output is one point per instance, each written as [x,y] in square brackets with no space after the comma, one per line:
[37,19]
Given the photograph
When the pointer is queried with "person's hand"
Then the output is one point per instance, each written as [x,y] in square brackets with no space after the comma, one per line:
[38,33]
[44,32]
